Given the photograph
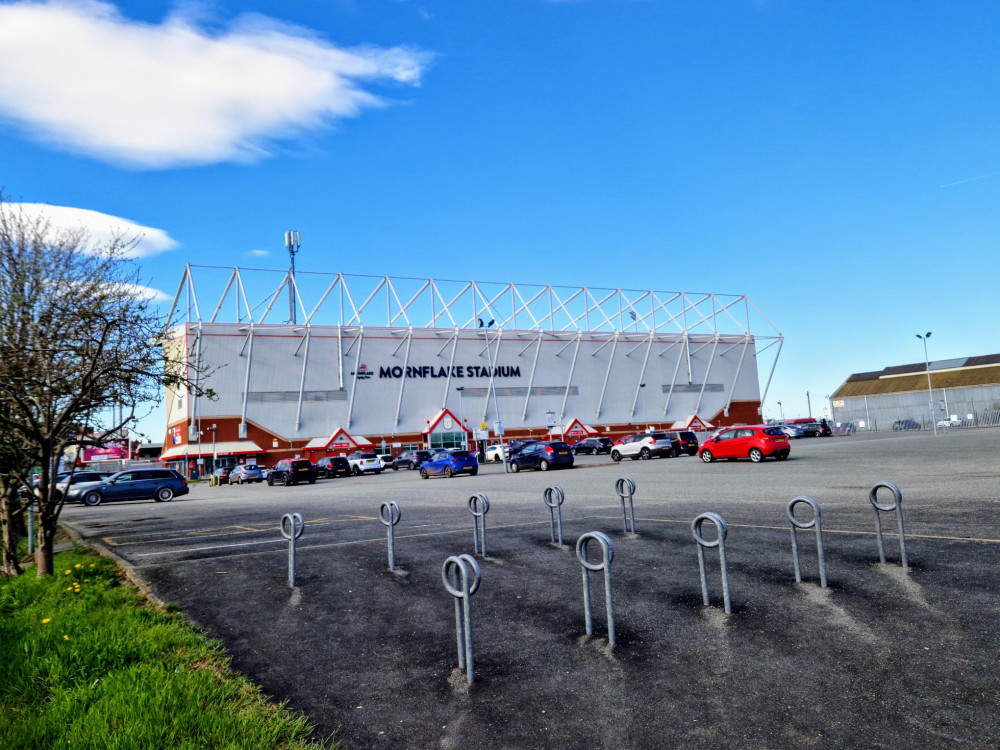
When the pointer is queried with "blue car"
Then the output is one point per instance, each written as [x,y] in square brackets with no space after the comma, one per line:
[450,463]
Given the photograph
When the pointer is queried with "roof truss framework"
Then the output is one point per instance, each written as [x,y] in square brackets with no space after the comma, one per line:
[507,309]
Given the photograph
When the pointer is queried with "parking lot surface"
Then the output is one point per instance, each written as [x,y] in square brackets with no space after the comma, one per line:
[885,657]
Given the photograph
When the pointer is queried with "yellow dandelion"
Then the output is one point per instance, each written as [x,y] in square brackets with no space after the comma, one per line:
[78,565]
[46,620]
[86,580]
[92,565]
[69,572]
[69,588]
[65,637]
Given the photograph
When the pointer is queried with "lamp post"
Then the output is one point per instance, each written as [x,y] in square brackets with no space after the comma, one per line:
[781,410]
[642,393]
[461,415]
[215,455]
[930,393]
[809,406]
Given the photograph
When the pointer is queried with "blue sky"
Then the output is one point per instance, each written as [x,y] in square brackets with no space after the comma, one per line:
[839,163]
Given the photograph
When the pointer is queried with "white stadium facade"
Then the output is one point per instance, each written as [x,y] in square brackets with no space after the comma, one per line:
[316,364]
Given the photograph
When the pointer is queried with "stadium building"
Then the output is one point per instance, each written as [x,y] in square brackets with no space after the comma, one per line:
[390,364]
[963,392]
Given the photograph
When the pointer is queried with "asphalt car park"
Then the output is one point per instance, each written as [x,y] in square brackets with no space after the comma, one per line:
[884,657]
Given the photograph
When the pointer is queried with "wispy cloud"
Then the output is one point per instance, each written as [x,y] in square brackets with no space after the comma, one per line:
[101,227]
[259,253]
[82,77]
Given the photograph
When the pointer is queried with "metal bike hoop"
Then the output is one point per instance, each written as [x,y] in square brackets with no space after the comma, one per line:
[461,575]
[608,554]
[554,497]
[389,514]
[719,542]
[815,523]
[897,506]
[625,487]
[479,506]
[292,527]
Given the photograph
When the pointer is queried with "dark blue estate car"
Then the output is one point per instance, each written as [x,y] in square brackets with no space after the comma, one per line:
[543,456]
[450,463]
[161,485]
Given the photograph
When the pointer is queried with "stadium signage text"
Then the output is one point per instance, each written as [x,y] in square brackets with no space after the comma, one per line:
[455,371]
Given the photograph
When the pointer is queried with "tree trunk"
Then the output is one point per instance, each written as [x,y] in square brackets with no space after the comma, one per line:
[46,545]
[12,524]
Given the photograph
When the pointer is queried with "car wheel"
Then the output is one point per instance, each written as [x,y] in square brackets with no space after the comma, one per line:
[270,482]
[312,481]
[92,499]
[497,459]
[164,494]
[473,472]
[378,471]
[616,456]
[355,470]
[395,468]
[543,465]
[644,453]
[707,457]
[284,481]
[423,473]
[448,472]
[514,467]
[756,455]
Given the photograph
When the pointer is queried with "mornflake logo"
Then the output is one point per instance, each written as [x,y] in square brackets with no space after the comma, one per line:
[362,373]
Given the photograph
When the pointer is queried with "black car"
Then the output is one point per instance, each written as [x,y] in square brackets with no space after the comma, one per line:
[543,456]
[161,485]
[333,466]
[905,424]
[685,442]
[292,471]
[410,460]
[593,445]
[824,429]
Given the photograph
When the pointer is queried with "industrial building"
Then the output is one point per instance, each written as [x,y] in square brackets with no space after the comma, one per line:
[390,363]
[963,392]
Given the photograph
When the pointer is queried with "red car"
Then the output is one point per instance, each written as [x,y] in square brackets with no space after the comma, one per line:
[755,442]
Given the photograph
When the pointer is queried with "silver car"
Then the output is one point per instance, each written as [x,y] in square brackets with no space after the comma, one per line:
[245,473]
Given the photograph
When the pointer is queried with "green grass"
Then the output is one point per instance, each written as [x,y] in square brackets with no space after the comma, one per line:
[86,662]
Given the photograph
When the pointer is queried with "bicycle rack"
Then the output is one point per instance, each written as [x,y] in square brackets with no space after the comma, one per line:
[479,506]
[897,506]
[719,542]
[292,527]
[815,523]
[462,576]
[389,514]
[554,497]
[625,487]
[608,550]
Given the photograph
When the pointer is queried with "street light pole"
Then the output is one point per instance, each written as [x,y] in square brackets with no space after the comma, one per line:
[461,415]
[809,406]
[642,392]
[930,392]
[781,410]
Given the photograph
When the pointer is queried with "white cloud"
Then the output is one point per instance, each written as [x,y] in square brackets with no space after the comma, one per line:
[150,293]
[259,253]
[84,78]
[101,227]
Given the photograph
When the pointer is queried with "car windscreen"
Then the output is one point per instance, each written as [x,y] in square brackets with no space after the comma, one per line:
[559,446]
[460,454]
[773,431]
[368,455]
[659,436]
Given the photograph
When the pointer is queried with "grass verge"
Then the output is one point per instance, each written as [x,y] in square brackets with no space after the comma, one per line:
[86,662]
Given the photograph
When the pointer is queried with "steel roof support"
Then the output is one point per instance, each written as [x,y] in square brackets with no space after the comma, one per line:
[354,383]
[302,381]
[402,380]
[451,363]
[607,373]
[673,380]
[708,370]
[569,380]
[531,379]
[736,377]
[642,372]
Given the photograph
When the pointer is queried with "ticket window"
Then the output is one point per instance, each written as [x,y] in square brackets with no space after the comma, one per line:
[448,440]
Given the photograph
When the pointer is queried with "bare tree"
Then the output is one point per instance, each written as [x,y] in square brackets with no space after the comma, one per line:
[80,354]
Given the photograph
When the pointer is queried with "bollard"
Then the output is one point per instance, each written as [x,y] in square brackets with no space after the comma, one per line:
[479,506]
[554,497]
[31,528]
[897,505]
[462,576]
[609,554]
[292,527]
[814,523]
[720,542]
[390,514]
[625,488]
